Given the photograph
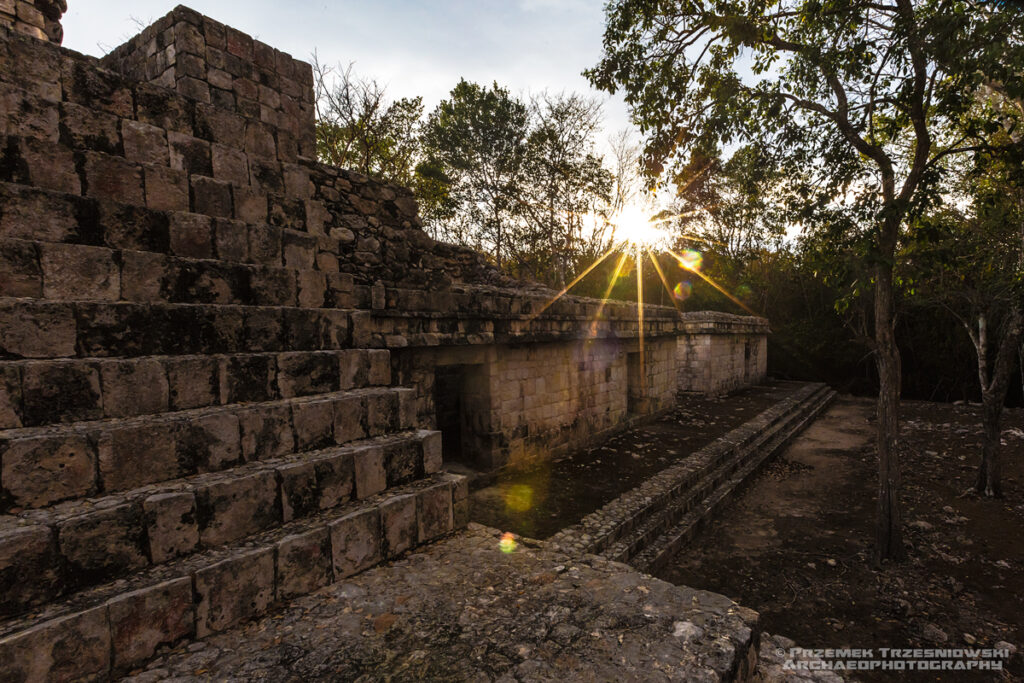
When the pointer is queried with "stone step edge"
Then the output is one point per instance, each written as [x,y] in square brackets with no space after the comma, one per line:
[672,541]
[642,502]
[114,380]
[672,512]
[118,627]
[682,476]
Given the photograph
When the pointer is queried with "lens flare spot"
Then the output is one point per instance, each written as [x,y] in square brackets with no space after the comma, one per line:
[683,290]
[519,498]
[691,260]
[507,544]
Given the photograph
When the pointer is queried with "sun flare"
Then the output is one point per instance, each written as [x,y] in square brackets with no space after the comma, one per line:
[634,226]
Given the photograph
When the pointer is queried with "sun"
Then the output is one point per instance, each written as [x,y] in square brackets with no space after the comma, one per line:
[634,226]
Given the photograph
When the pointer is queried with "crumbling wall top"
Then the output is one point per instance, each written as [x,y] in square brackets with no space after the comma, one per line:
[37,18]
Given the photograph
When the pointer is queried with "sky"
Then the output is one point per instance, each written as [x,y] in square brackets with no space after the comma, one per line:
[413,47]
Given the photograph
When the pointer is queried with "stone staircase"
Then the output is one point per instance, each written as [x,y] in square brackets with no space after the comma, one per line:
[646,526]
[193,427]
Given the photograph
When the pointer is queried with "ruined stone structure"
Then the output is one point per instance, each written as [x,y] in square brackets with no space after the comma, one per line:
[226,369]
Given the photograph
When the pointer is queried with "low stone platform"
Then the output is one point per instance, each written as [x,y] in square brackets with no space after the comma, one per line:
[462,609]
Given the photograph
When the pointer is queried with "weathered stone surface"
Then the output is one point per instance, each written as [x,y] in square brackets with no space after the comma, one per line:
[232,507]
[137,455]
[380,367]
[74,647]
[209,443]
[192,382]
[143,620]
[430,443]
[304,374]
[110,177]
[370,474]
[135,387]
[266,432]
[60,391]
[74,272]
[314,424]
[144,143]
[355,542]
[335,479]
[303,563]
[567,618]
[349,412]
[166,188]
[28,573]
[46,469]
[238,588]
[10,397]
[103,544]
[299,491]
[434,512]
[398,522]
[171,526]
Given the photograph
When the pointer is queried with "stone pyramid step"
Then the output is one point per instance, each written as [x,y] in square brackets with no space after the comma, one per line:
[109,629]
[45,465]
[53,550]
[41,392]
[31,328]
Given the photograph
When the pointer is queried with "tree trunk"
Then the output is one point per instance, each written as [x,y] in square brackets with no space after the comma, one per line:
[993,398]
[889,529]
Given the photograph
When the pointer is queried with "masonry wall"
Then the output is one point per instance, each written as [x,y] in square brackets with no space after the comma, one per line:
[527,403]
[720,363]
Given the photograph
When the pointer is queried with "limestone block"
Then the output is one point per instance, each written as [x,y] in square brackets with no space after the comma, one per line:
[166,188]
[87,128]
[399,523]
[192,382]
[137,455]
[312,288]
[210,443]
[430,444]
[230,165]
[28,574]
[171,525]
[143,620]
[37,330]
[355,542]
[133,387]
[51,166]
[305,374]
[434,514]
[60,391]
[110,177]
[379,361]
[11,407]
[190,154]
[30,116]
[370,473]
[402,462]
[349,416]
[335,479]
[247,378]
[235,589]
[144,143]
[314,424]
[259,137]
[104,543]
[42,470]
[251,206]
[265,245]
[74,272]
[231,238]
[381,413]
[303,563]
[354,368]
[232,507]
[211,197]
[299,494]
[266,432]
[72,647]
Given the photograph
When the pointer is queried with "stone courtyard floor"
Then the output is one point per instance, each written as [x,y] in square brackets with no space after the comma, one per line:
[464,609]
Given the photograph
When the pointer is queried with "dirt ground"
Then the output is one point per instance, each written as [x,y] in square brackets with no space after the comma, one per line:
[540,501]
[796,546]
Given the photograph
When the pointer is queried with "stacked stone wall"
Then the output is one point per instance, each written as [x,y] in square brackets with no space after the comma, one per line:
[719,353]
[36,18]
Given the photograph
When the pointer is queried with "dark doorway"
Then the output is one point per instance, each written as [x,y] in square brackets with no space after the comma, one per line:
[449,381]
